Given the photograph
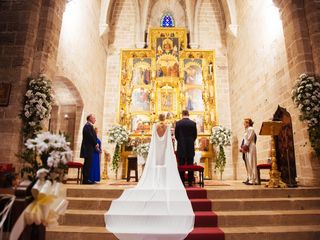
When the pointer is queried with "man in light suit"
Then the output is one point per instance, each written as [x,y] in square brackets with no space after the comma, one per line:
[88,145]
[186,134]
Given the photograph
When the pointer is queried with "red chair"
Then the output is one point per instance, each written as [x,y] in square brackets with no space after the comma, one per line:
[262,166]
[78,166]
[194,168]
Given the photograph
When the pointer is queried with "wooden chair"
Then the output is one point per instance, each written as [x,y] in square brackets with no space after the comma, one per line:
[132,166]
[262,166]
[194,168]
[78,166]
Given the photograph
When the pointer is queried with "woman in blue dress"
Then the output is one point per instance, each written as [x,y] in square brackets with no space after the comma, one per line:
[95,166]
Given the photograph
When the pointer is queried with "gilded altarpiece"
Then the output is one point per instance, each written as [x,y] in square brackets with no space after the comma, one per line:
[166,78]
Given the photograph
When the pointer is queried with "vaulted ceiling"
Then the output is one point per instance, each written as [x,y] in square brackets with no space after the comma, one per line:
[185,13]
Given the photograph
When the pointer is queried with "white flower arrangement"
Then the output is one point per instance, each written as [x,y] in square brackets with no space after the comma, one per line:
[36,104]
[220,136]
[142,150]
[306,97]
[118,135]
[53,149]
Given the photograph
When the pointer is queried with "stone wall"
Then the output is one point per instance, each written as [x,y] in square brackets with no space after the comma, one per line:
[82,60]
[262,72]
[29,33]
[212,35]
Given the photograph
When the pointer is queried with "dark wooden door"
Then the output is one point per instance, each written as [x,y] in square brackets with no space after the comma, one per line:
[285,148]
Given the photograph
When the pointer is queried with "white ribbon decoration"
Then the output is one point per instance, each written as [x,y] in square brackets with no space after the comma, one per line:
[49,202]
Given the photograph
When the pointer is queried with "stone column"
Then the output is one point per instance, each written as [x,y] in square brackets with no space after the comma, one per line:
[312,12]
[296,34]
[46,46]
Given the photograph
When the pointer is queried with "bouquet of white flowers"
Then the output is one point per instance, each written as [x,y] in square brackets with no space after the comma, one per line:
[220,136]
[142,150]
[36,105]
[53,150]
[306,96]
[118,135]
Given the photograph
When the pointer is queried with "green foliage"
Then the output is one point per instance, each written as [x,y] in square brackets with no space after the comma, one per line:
[221,159]
[314,136]
[30,164]
[116,158]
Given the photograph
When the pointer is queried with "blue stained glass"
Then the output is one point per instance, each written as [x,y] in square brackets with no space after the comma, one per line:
[167,20]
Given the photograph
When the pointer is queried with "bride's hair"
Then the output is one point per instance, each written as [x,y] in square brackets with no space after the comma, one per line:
[162,117]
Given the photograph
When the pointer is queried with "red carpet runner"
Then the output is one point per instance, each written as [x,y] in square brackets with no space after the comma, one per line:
[206,221]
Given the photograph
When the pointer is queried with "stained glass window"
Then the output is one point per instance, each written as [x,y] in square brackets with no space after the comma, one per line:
[167,20]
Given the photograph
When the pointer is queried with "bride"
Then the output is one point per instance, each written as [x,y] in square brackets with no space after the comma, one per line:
[158,207]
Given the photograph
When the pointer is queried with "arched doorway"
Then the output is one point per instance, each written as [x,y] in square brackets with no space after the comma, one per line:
[67,111]
[285,148]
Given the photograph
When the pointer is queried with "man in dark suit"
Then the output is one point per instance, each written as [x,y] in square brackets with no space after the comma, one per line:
[186,134]
[88,145]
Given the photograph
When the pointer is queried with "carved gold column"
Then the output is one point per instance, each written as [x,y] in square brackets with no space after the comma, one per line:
[105,165]
[206,168]
[275,176]
[273,128]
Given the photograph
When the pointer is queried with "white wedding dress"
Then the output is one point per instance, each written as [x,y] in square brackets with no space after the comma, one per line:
[158,207]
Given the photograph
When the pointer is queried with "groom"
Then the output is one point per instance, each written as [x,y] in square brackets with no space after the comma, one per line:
[88,145]
[186,134]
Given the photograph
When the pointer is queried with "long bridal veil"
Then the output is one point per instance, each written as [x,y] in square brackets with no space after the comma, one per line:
[158,207]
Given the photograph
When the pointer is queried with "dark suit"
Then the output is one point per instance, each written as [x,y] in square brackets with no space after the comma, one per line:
[89,142]
[186,134]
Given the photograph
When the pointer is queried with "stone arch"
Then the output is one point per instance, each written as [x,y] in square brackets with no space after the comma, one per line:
[174,6]
[67,111]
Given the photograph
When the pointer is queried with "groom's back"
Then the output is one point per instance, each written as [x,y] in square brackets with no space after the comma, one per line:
[186,128]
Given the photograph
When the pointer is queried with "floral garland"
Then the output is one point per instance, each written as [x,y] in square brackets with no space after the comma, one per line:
[54,152]
[36,105]
[221,137]
[118,135]
[306,96]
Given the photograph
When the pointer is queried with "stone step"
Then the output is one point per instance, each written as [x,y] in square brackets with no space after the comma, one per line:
[268,218]
[225,218]
[104,204]
[229,193]
[91,191]
[309,232]
[95,218]
[254,204]
[242,204]
[263,193]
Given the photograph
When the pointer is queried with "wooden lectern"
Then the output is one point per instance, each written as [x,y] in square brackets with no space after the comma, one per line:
[273,128]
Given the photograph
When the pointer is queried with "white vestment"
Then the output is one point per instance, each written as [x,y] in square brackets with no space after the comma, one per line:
[158,207]
[251,156]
